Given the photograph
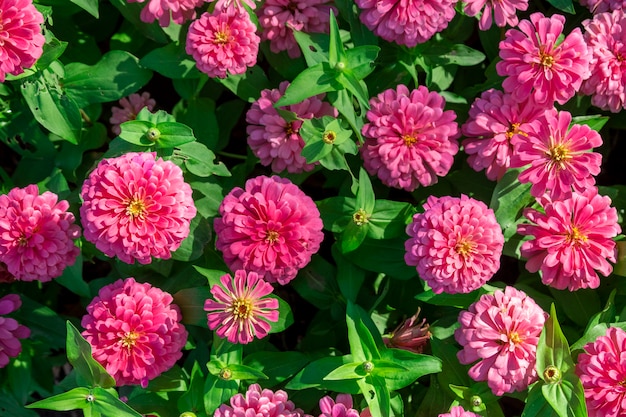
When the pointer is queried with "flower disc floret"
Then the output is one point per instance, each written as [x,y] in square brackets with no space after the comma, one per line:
[10,330]
[134,331]
[136,207]
[130,107]
[260,402]
[410,139]
[37,234]
[21,41]
[501,331]
[180,11]
[456,244]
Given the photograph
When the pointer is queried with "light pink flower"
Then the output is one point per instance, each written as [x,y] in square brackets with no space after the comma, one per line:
[573,238]
[605,35]
[411,335]
[37,234]
[279,18]
[223,42]
[535,61]
[504,12]
[557,157]
[459,411]
[134,331]
[136,207]
[456,244]
[501,331]
[601,6]
[602,371]
[10,330]
[406,22]
[340,408]
[275,141]
[494,119]
[130,107]
[180,11]
[410,139]
[241,311]
[260,402]
[21,41]
[271,227]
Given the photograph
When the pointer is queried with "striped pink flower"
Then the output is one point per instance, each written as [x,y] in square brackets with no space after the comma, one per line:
[10,330]
[21,41]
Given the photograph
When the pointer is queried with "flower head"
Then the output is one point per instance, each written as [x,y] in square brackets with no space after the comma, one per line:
[572,239]
[459,411]
[275,141]
[535,61]
[180,11]
[279,18]
[504,12]
[260,402]
[10,330]
[134,331]
[557,157]
[601,6]
[136,207]
[455,243]
[340,408]
[406,22]
[224,42]
[410,139]
[602,371]
[411,335]
[37,234]
[241,311]
[130,107]
[271,227]
[21,41]
[501,331]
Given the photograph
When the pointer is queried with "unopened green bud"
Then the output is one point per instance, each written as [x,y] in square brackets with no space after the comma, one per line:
[552,374]
[153,134]
[360,217]
[226,374]
[188,414]
[368,366]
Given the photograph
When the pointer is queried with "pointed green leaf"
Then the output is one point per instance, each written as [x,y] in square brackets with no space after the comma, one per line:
[217,391]
[90,6]
[363,346]
[134,131]
[365,198]
[360,60]
[566,398]
[336,52]
[314,46]
[171,61]
[70,400]
[553,348]
[79,355]
[109,405]
[353,370]
[318,79]
[174,134]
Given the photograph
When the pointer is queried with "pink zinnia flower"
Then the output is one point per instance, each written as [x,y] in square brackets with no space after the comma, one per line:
[279,18]
[10,330]
[134,331]
[459,411]
[411,335]
[180,11]
[130,107]
[535,61]
[271,227]
[501,330]
[504,12]
[275,141]
[573,238]
[602,371]
[406,22]
[601,6]
[494,119]
[241,311]
[605,35]
[340,408]
[260,402]
[37,234]
[223,42]
[136,207]
[455,243]
[410,139]
[557,157]
[21,41]
[5,276]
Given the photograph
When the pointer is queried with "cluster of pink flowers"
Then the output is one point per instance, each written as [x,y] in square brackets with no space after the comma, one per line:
[134,330]
[456,244]
[180,11]
[261,403]
[130,107]
[37,234]
[275,141]
[410,139]
[136,207]
[21,41]
[10,330]
[503,12]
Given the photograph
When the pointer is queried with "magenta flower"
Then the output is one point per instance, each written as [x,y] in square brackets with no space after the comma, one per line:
[455,243]
[501,331]
[10,330]
[271,227]
[130,107]
[340,408]
[535,61]
[494,119]
[241,311]
[134,331]
[503,12]
[406,22]
[21,41]
[275,141]
[459,411]
[136,207]
[602,371]
[601,6]
[279,18]
[224,42]
[180,11]
[605,35]
[557,157]
[410,139]
[573,238]
[260,403]
[37,234]
[411,335]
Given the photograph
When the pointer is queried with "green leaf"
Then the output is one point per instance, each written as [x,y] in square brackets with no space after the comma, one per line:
[578,305]
[336,52]
[191,303]
[314,46]
[247,86]
[383,255]
[365,197]
[199,160]
[217,391]
[376,395]
[285,316]
[415,366]
[536,404]
[90,6]
[357,87]
[312,376]
[566,398]
[352,237]
[193,398]
[389,219]
[595,121]
[443,52]
[278,366]
[192,247]
[564,5]
[318,79]
[508,199]
[453,372]
[349,277]
[353,370]
[10,407]
[590,335]
[363,345]
[360,60]
[70,400]
[240,372]
[553,348]
[52,50]
[134,131]
[174,134]
[79,355]
[45,324]
[171,61]
[451,300]
[109,405]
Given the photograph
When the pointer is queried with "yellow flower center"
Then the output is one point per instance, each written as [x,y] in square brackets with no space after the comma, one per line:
[221,37]
[271,236]
[409,140]
[289,129]
[514,130]
[464,248]
[129,340]
[136,208]
[576,237]
[360,217]
[515,338]
[545,59]
[329,137]
[241,308]
[558,154]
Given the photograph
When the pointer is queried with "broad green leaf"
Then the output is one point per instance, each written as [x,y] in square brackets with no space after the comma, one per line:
[52,50]
[578,305]
[318,79]
[376,395]
[247,86]
[109,405]
[193,398]
[314,46]
[353,370]
[336,52]
[594,121]
[435,401]
[285,318]
[312,376]
[155,403]
[536,404]
[212,196]
[10,407]
[507,201]
[79,355]
[240,372]
[72,278]
[134,131]
[350,278]
[45,324]
[451,300]
[70,400]
[415,366]
[360,60]
[355,86]
[383,256]
[199,160]
[352,237]
[199,114]
[553,348]
[363,345]
[191,303]
[278,366]
[171,61]
[217,391]
[443,52]
[365,197]
[192,247]
[591,335]
[342,101]
[336,212]
[564,5]
[173,134]
[453,372]
[387,369]
[567,397]
[389,219]
[90,6]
